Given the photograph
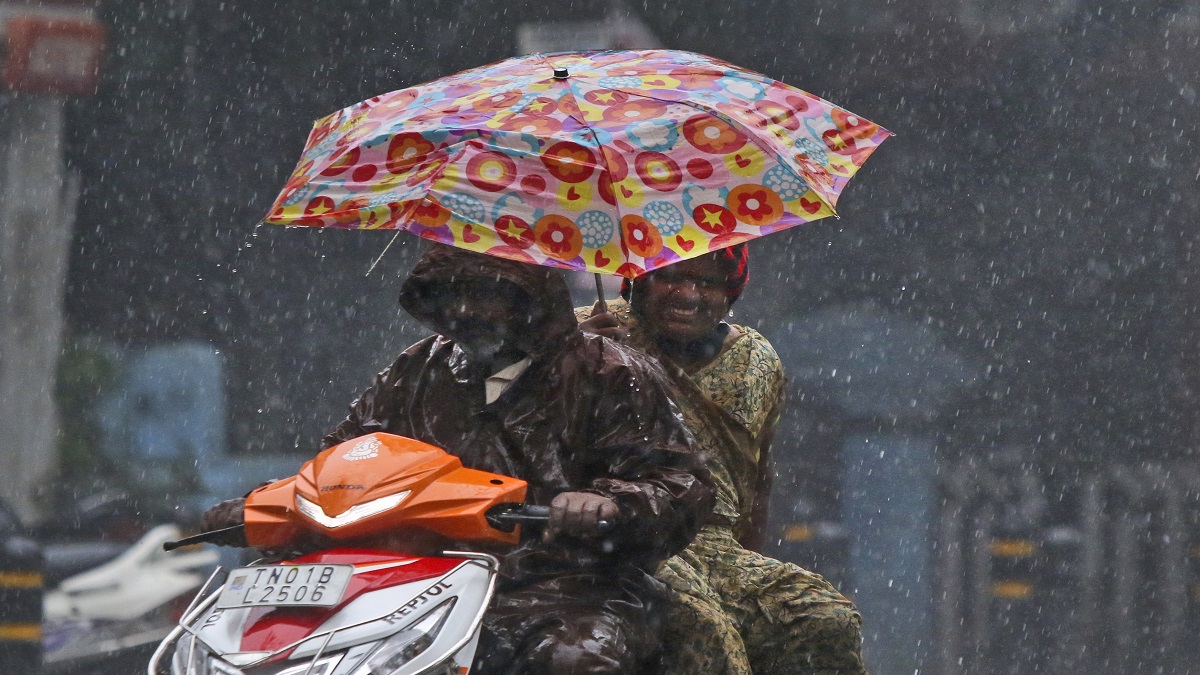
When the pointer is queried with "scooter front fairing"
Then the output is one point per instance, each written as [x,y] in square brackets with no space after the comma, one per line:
[386,598]
[397,615]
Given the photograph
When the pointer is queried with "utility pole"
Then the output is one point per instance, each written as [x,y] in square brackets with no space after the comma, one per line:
[52,51]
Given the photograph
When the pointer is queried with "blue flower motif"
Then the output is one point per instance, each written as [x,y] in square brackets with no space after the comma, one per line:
[653,135]
[695,195]
[597,228]
[665,217]
[512,143]
[742,88]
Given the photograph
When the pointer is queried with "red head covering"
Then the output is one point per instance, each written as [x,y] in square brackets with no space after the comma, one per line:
[735,259]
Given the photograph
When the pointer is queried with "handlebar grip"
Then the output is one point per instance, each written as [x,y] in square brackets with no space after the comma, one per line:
[202,538]
[505,517]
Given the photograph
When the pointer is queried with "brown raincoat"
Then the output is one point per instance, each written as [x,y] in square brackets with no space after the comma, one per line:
[587,415]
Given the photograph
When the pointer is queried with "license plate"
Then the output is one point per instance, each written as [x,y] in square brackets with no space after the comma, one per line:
[285,586]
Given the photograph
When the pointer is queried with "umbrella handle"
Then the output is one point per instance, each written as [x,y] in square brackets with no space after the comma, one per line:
[600,295]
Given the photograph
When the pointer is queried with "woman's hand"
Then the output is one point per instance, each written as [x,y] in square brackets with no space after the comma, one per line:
[605,324]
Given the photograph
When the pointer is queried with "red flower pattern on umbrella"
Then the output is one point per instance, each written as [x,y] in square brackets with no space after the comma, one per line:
[634,110]
[569,162]
[568,108]
[778,113]
[429,213]
[350,212]
[531,124]
[558,237]
[756,205]
[692,79]
[640,236]
[854,125]
[406,150]
[499,101]
[630,71]
[712,135]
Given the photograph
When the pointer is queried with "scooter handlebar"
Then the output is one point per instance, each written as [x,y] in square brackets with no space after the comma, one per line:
[203,537]
[505,517]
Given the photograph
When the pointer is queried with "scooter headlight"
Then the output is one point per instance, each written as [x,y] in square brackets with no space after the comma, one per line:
[354,513]
[406,645]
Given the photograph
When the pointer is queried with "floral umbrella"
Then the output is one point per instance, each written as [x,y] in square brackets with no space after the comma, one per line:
[615,162]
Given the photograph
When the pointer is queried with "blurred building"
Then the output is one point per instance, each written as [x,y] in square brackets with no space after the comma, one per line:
[51,51]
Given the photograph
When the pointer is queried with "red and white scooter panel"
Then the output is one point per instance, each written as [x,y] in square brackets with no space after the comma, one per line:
[392,614]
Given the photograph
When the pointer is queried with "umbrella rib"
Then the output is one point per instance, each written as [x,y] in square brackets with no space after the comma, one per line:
[607,172]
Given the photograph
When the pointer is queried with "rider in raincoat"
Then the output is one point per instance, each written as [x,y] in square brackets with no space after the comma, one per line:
[733,610]
[511,386]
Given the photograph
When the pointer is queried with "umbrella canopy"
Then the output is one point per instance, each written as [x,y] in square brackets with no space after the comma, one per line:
[615,162]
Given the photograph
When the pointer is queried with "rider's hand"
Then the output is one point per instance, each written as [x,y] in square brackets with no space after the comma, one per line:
[578,513]
[226,514]
[606,324]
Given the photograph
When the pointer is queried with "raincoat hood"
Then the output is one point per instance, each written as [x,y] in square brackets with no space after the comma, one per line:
[550,317]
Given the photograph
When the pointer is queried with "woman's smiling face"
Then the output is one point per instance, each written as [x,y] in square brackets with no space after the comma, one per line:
[683,302]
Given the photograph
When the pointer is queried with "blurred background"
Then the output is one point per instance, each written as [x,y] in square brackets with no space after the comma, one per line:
[993,355]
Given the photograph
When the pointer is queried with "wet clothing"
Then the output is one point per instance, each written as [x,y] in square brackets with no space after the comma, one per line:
[733,610]
[586,415]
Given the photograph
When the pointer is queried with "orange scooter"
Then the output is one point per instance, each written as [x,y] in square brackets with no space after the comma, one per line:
[381,595]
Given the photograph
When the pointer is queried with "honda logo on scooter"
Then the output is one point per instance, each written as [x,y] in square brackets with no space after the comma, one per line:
[364,449]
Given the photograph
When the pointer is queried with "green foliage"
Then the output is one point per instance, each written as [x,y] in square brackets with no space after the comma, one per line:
[85,374]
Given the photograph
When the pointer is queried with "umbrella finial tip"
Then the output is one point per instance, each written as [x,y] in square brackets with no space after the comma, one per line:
[560,73]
